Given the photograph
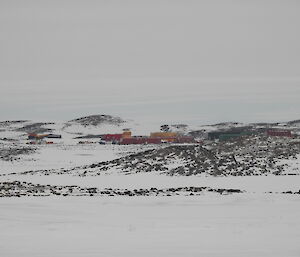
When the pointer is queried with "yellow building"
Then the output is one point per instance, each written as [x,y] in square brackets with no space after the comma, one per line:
[126,134]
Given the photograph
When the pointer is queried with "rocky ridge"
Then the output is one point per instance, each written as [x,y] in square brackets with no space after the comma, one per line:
[18,189]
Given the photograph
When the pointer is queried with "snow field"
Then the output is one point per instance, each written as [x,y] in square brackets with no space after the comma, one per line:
[213,226]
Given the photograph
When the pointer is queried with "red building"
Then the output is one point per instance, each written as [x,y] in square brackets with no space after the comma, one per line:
[279,133]
[185,139]
[112,137]
[140,140]
[126,139]
[151,140]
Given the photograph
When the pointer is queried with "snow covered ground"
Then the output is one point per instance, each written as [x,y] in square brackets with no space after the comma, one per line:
[254,223]
[233,225]
[67,156]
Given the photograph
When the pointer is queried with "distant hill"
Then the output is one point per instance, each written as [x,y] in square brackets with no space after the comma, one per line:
[37,127]
[96,120]
[294,123]
[8,123]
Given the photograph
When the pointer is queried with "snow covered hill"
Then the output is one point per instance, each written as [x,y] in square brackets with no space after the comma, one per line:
[255,155]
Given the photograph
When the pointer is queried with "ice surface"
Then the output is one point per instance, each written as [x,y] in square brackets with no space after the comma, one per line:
[233,226]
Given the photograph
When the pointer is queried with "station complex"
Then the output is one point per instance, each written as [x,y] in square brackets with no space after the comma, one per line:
[126,138]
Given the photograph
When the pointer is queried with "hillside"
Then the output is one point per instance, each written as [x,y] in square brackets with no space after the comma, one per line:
[249,156]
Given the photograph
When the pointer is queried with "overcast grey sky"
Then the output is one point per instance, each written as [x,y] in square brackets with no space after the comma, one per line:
[194,61]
